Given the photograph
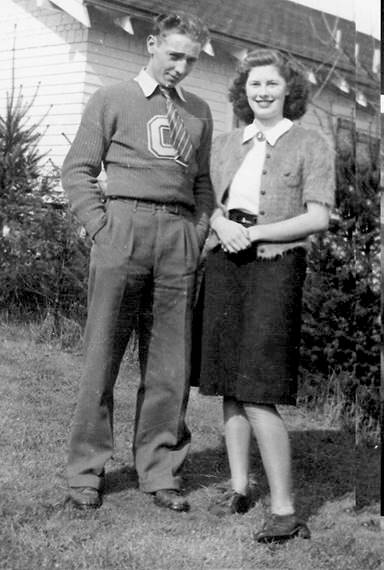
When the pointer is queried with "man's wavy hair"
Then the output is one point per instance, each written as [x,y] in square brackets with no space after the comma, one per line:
[295,103]
[182,23]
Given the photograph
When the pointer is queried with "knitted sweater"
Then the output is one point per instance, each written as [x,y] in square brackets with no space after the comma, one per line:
[128,134]
[298,169]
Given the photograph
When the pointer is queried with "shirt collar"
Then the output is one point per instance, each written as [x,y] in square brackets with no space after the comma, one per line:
[148,84]
[272,135]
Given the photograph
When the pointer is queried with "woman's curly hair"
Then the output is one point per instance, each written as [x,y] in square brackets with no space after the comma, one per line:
[295,103]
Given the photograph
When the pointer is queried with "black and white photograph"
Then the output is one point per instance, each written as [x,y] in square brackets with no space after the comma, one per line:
[190,285]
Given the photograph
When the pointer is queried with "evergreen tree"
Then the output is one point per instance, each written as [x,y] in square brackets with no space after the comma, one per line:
[341,329]
[42,257]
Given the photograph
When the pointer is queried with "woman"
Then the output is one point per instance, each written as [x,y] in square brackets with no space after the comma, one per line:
[274,186]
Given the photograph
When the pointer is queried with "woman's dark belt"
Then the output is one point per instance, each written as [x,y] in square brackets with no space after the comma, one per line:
[153,206]
[242,218]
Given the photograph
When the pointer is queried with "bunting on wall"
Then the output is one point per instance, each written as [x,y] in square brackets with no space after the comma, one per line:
[208,49]
[341,83]
[74,8]
[311,77]
[361,99]
[238,53]
[125,22]
[79,11]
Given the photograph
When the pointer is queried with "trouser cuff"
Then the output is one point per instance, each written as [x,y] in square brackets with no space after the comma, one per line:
[88,480]
[162,482]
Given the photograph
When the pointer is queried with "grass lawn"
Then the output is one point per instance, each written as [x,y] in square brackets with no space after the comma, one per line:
[39,530]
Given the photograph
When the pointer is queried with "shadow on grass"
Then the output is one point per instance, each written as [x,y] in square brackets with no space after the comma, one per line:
[324,468]
[368,469]
[327,466]
[202,469]
[206,468]
[121,479]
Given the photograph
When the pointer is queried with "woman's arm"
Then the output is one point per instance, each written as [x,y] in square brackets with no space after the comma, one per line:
[315,219]
[233,236]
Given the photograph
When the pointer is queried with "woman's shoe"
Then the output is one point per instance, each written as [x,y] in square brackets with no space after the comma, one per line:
[232,503]
[282,527]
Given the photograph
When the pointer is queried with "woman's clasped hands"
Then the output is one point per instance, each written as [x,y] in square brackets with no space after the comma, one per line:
[233,237]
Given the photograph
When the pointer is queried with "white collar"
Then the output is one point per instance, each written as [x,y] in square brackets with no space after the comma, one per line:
[272,134]
[148,84]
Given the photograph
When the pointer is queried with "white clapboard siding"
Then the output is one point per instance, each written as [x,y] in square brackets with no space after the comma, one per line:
[330,102]
[49,49]
[366,123]
[113,56]
[334,104]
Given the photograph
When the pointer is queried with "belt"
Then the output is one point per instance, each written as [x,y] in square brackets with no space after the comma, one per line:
[242,218]
[153,206]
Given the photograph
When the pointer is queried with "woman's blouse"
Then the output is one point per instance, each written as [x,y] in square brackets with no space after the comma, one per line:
[299,168]
[245,187]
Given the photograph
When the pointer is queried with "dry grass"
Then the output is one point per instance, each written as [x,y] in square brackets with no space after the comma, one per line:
[40,531]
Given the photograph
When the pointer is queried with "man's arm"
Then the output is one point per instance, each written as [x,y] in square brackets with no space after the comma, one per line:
[82,166]
[203,192]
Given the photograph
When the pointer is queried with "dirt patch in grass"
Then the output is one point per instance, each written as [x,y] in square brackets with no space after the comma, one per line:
[39,530]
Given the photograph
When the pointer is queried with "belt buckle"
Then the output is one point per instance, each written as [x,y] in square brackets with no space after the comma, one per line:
[171,208]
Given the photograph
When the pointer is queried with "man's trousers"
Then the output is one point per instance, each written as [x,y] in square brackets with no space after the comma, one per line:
[142,275]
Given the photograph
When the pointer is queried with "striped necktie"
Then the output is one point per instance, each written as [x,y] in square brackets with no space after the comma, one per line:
[180,139]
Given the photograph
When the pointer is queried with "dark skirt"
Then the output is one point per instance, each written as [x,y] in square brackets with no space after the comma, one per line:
[251,321]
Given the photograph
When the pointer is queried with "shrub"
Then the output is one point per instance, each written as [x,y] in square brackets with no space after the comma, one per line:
[43,259]
[341,328]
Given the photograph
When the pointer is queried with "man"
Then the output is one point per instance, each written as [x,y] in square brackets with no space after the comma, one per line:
[147,235]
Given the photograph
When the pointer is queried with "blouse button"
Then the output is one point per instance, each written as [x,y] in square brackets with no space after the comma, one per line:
[267,156]
[263,192]
[264,172]
[261,250]
[261,212]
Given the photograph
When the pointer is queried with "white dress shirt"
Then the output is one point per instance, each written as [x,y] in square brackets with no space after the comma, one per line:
[148,84]
[244,191]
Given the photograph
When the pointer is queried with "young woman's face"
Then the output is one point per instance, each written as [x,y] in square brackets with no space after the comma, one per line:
[266,90]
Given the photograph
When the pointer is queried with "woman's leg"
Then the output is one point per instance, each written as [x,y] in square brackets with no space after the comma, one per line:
[237,440]
[272,438]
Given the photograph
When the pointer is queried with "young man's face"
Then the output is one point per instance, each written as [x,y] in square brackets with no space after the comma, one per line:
[172,57]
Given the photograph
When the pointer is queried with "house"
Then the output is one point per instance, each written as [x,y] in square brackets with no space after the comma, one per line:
[61,51]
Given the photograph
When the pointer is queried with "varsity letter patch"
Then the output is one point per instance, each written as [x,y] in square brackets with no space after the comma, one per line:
[158,137]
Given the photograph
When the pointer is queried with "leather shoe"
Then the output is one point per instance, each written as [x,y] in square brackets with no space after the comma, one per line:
[231,503]
[171,499]
[85,497]
[282,527]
